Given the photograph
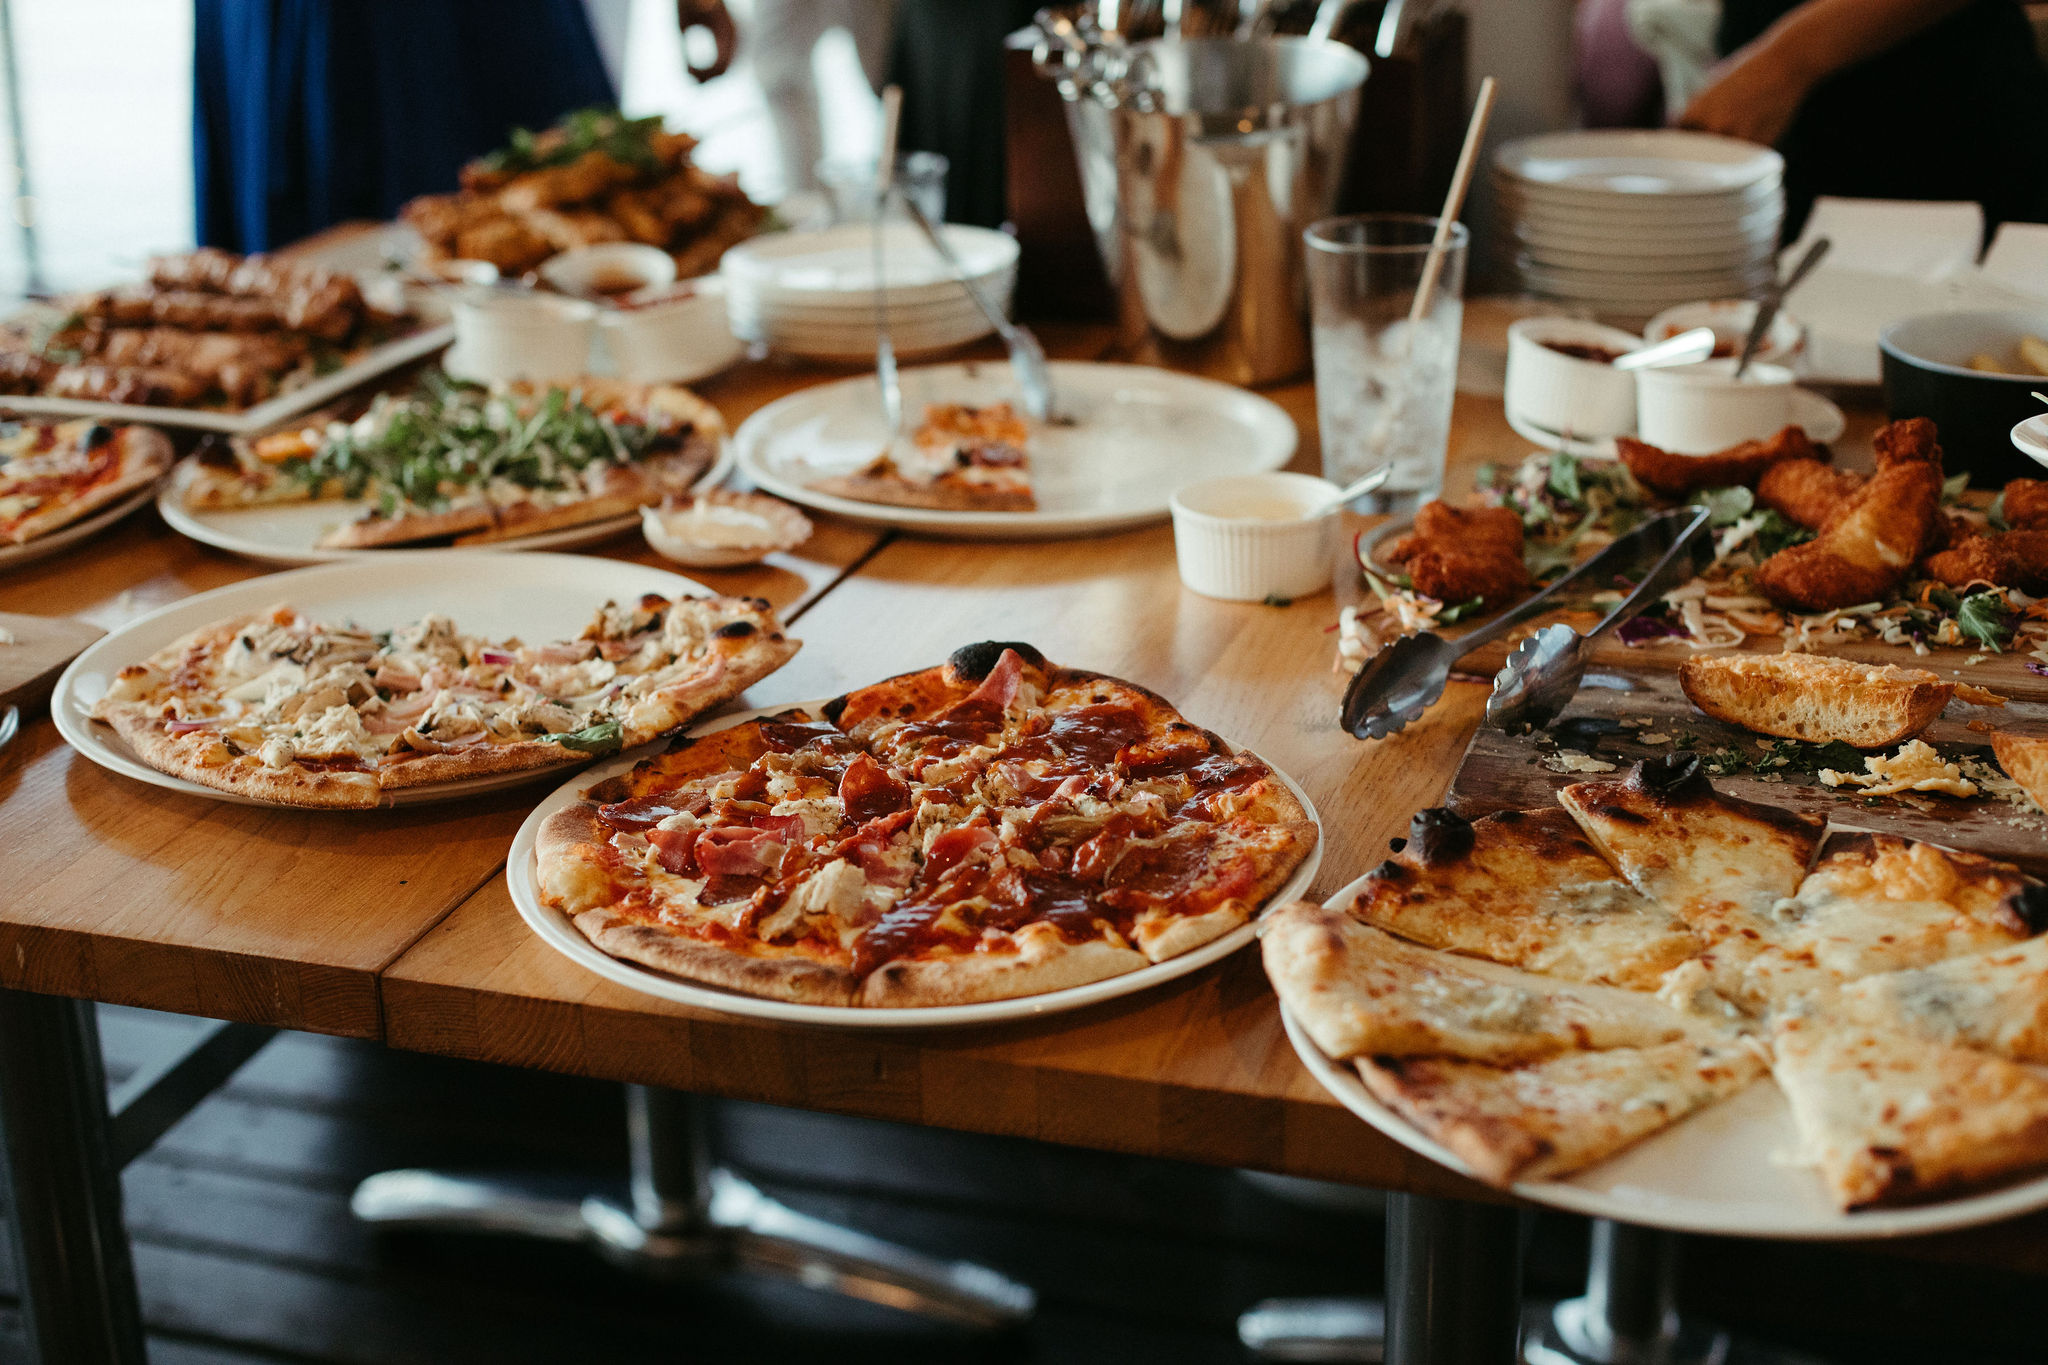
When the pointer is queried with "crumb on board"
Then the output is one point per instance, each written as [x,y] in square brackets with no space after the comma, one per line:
[1575,761]
[1916,767]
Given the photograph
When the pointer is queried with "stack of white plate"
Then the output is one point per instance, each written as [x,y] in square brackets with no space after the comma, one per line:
[1627,222]
[813,293]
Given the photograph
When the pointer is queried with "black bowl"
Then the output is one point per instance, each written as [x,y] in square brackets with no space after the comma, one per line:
[1927,374]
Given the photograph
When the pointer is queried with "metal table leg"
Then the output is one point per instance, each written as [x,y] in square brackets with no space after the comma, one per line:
[77,1282]
[689,1217]
[1454,1282]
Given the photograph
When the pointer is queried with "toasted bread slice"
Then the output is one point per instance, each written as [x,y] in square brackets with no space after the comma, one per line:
[1816,699]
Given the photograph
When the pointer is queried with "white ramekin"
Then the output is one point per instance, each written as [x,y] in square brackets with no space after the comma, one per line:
[1731,320]
[502,335]
[628,267]
[1562,393]
[1230,544]
[671,340]
[1700,409]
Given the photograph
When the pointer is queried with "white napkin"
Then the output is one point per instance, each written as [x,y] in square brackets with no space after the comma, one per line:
[2018,259]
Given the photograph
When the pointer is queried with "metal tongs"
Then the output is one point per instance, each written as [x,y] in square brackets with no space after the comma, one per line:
[1406,677]
[1027,357]
[1543,673]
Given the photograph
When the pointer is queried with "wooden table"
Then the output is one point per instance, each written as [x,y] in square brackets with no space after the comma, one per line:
[397,925]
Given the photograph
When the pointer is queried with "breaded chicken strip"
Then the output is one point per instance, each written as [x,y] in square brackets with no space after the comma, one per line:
[1908,441]
[1806,491]
[2017,559]
[1455,554]
[1866,549]
[1495,530]
[2026,504]
[1452,577]
[1680,476]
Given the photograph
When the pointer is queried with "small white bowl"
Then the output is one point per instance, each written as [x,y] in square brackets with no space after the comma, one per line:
[722,530]
[609,270]
[2031,437]
[1565,394]
[502,335]
[1250,537]
[1700,409]
[1731,319]
[679,335]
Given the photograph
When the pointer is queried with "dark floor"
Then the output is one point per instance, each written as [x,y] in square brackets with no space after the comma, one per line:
[246,1252]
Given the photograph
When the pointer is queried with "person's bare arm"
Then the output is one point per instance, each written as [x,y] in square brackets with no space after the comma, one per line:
[1755,93]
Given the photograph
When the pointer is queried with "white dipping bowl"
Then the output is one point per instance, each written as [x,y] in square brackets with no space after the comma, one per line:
[1731,320]
[1700,409]
[673,338]
[501,335]
[1569,395]
[609,270]
[1253,536]
[722,529]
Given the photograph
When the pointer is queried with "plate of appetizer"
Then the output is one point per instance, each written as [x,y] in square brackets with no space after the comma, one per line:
[215,341]
[968,464]
[1814,414]
[62,480]
[1656,1002]
[417,676]
[520,465]
[996,837]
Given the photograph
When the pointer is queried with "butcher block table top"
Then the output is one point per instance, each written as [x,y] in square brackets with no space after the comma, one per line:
[398,925]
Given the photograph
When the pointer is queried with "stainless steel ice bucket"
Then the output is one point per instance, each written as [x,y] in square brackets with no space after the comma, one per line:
[1202,159]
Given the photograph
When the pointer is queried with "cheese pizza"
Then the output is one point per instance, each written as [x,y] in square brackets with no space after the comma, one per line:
[286,708]
[993,827]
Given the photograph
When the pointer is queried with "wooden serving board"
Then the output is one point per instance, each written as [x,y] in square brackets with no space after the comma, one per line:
[42,646]
[1509,772]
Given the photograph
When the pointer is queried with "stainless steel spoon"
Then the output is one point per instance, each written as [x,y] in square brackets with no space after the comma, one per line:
[1396,685]
[1544,671]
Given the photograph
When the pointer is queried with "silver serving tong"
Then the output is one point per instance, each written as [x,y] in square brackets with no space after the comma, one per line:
[1027,357]
[1405,678]
[1543,673]
[887,380]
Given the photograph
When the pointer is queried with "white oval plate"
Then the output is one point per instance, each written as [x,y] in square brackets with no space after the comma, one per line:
[1718,1171]
[564,937]
[1138,434]
[1822,420]
[283,533]
[13,555]
[1610,161]
[536,596]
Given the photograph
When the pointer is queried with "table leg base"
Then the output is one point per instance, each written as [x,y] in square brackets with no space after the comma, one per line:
[689,1218]
[1315,1329]
[1573,1334]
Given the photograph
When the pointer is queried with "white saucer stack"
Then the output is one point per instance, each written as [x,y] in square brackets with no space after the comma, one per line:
[813,293]
[1625,223]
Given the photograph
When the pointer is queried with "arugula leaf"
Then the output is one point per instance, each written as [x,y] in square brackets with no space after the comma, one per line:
[1983,617]
[1726,506]
[1459,611]
[1996,512]
[1776,533]
[603,738]
[1954,486]
[1564,477]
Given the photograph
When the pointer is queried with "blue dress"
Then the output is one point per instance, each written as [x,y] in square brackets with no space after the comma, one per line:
[311,112]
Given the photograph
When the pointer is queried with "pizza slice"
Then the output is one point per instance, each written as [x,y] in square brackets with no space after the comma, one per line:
[962,458]
[1525,889]
[55,473]
[1877,903]
[1717,862]
[1890,1115]
[1548,1119]
[1995,1000]
[1361,992]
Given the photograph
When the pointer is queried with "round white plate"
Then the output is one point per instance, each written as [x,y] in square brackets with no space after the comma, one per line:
[1720,1170]
[1636,275]
[1580,256]
[1610,161]
[283,533]
[564,937]
[2031,437]
[840,262]
[1138,433]
[1822,420]
[534,596]
[1676,211]
[860,307]
[13,555]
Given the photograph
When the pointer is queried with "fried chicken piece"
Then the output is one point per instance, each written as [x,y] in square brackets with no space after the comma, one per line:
[1806,491]
[1476,530]
[2026,504]
[505,242]
[208,269]
[2017,559]
[125,384]
[1452,576]
[565,229]
[1455,554]
[587,177]
[1679,476]
[25,372]
[1866,548]
[1908,441]
[639,213]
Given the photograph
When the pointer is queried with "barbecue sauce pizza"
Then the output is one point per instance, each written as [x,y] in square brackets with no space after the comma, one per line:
[55,473]
[962,459]
[308,713]
[994,827]
[1536,1000]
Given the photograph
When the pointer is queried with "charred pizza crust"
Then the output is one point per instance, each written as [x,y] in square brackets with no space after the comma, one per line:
[991,828]
[961,459]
